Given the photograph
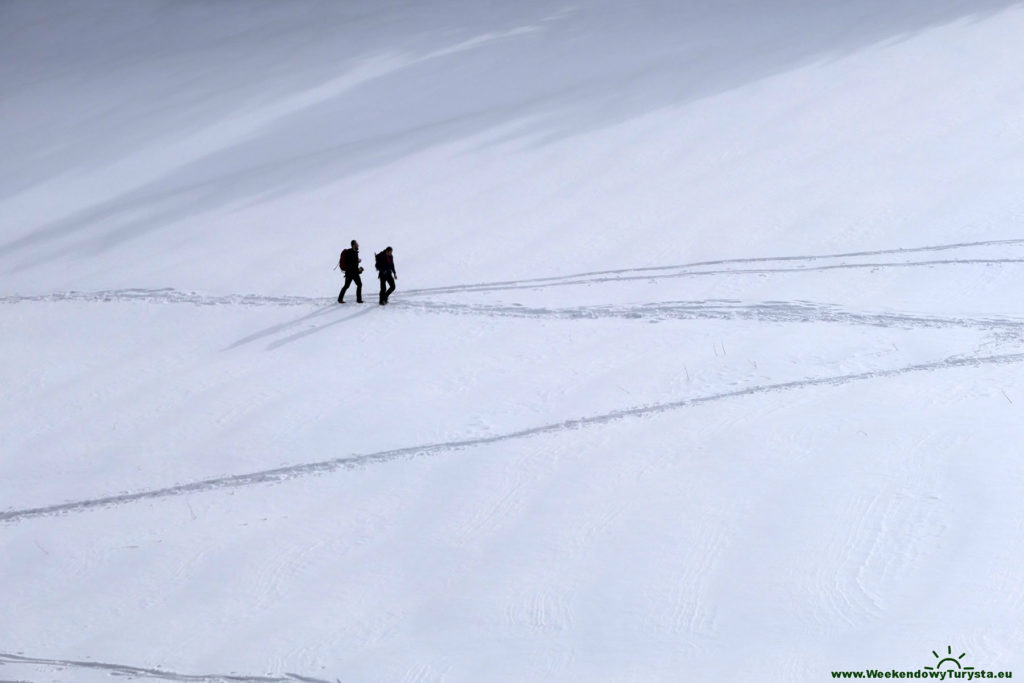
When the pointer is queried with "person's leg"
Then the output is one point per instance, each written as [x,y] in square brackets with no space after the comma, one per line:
[359,288]
[344,288]
[391,288]
[383,285]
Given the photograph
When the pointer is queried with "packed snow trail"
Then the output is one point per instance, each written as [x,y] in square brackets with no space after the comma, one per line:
[765,311]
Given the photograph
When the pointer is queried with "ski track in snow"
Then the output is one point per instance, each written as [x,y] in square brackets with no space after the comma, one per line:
[281,474]
[138,672]
[651,272]
[767,259]
[624,276]
[723,309]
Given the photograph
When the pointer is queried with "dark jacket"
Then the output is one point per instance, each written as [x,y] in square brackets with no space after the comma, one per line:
[350,261]
[386,265]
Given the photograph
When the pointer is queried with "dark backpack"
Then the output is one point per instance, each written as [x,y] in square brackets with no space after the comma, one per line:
[380,262]
[343,258]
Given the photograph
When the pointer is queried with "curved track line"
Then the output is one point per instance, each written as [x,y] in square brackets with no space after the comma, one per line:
[307,469]
[139,672]
[767,259]
[624,276]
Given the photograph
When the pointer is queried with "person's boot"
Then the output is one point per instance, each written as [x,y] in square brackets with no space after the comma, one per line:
[359,301]
[341,301]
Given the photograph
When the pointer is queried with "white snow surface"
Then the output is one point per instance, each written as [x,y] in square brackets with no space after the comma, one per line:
[706,360]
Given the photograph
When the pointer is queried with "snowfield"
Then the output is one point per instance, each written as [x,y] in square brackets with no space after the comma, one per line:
[706,360]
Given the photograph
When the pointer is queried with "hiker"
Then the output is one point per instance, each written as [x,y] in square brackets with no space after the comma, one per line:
[349,262]
[385,264]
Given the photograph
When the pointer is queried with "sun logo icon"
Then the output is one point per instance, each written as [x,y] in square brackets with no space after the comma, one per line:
[950,659]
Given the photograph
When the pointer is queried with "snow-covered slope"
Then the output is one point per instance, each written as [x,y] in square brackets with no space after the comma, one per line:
[706,361]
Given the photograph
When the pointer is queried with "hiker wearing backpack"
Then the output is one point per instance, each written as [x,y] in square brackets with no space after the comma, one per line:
[349,263]
[384,262]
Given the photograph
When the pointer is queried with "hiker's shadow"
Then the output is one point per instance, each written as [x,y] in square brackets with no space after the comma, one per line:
[313,330]
[282,327]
